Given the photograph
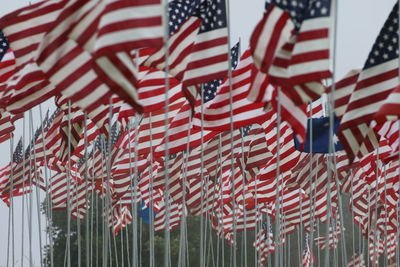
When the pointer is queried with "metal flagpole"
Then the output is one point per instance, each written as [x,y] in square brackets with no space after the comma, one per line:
[135,188]
[37,194]
[23,196]
[167,249]
[183,230]
[29,199]
[87,219]
[49,223]
[151,230]
[68,254]
[277,212]
[331,104]
[10,210]
[228,17]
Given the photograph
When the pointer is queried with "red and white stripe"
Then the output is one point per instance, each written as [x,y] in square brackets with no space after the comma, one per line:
[152,128]
[26,27]
[217,113]
[7,66]
[373,87]
[126,25]
[270,34]
[209,58]
[180,48]
[181,135]
[357,260]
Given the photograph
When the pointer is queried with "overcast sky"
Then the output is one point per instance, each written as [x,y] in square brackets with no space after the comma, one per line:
[358,25]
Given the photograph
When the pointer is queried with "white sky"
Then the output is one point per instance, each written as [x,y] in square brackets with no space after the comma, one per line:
[358,25]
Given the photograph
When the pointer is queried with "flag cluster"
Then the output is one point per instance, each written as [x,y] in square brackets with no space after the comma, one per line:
[170,118]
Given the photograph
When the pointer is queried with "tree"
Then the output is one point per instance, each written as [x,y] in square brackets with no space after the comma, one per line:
[89,237]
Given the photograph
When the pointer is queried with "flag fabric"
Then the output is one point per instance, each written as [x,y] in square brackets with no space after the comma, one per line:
[182,135]
[68,66]
[308,259]
[292,45]
[389,109]
[127,25]
[343,90]
[209,58]
[317,139]
[216,114]
[7,66]
[377,80]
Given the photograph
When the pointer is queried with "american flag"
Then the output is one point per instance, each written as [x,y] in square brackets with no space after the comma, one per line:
[209,58]
[343,90]
[377,80]
[180,127]
[217,113]
[291,44]
[184,27]
[26,27]
[152,127]
[151,90]
[69,67]
[126,25]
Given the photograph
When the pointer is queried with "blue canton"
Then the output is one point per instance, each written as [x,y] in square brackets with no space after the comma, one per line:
[386,46]
[4,45]
[301,10]
[213,15]
[17,155]
[179,12]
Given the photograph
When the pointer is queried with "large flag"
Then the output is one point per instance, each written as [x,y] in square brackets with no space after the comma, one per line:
[379,77]
[291,44]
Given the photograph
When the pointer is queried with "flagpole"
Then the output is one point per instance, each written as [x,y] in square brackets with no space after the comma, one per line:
[331,105]
[398,191]
[10,210]
[23,196]
[182,245]
[228,19]
[37,195]
[167,251]
[278,137]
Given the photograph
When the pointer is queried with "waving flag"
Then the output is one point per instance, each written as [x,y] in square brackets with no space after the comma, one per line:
[291,44]
[181,125]
[379,77]
[216,115]
[209,58]
[318,131]
[126,25]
